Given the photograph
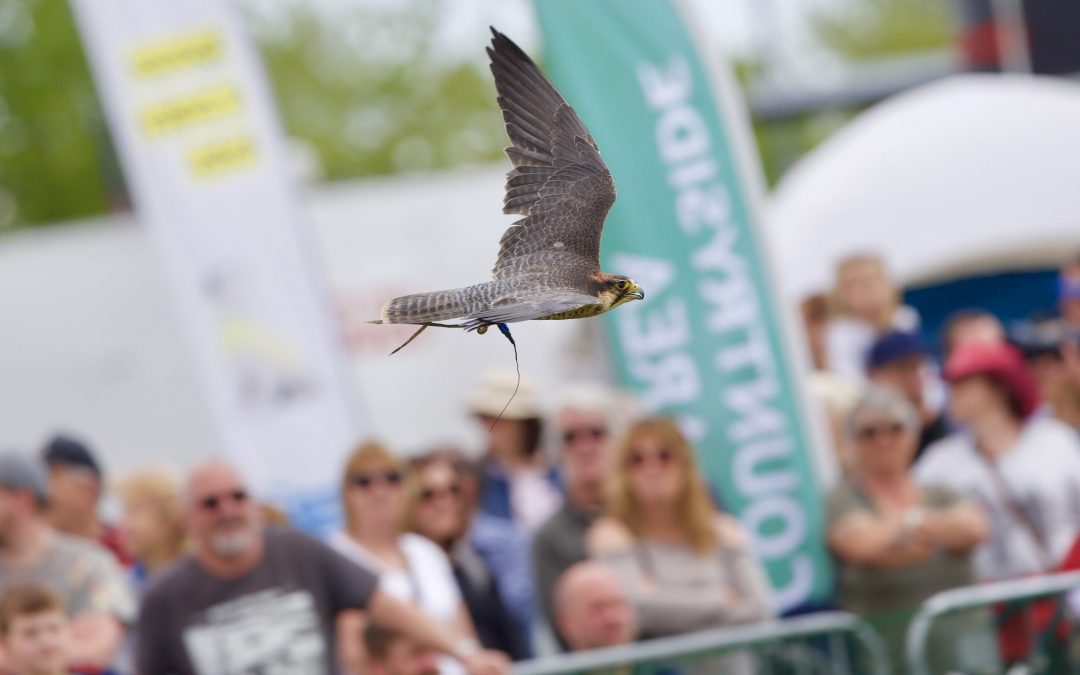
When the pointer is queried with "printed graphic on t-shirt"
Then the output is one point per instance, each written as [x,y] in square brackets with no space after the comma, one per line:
[274,632]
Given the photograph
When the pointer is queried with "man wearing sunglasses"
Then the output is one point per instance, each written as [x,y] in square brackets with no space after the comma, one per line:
[251,600]
[585,423]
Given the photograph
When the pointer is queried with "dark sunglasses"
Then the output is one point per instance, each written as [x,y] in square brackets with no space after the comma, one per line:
[592,433]
[366,480]
[872,431]
[638,458]
[431,494]
[212,502]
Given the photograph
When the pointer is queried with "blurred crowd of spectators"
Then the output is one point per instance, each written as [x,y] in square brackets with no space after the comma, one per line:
[950,466]
[947,467]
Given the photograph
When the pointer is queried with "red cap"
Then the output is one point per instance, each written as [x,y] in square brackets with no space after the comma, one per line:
[1000,361]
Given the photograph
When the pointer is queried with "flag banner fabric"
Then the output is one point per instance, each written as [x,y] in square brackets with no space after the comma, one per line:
[203,153]
[708,344]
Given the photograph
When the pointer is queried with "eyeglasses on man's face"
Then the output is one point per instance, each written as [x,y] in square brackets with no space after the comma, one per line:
[213,502]
[870,432]
[571,436]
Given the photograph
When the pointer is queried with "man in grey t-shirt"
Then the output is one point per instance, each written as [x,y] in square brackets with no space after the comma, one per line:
[250,601]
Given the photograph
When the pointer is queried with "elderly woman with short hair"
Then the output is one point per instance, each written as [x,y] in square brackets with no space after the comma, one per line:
[898,543]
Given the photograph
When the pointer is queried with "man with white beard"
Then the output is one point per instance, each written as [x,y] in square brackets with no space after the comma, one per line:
[254,600]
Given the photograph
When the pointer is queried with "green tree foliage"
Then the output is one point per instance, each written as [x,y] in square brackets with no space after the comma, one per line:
[53,152]
[863,30]
[361,85]
[364,86]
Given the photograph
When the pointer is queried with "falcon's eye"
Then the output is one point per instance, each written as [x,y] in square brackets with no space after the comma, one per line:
[622,284]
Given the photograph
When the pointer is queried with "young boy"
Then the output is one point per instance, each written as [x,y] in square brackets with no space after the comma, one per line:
[391,653]
[34,631]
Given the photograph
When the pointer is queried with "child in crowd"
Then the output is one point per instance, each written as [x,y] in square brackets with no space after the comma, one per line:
[34,631]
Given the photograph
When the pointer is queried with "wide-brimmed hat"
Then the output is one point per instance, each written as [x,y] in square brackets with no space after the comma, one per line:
[495,389]
[999,361]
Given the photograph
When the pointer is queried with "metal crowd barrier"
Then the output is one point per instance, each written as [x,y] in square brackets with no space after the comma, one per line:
[972,597]
[826,642]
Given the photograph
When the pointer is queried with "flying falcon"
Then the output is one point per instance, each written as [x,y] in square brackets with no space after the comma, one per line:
[548,265]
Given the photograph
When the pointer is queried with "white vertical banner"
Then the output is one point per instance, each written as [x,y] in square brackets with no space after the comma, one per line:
[202,150]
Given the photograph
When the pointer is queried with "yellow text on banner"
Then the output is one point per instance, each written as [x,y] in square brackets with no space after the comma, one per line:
[214,158]
[185,50]
[208,104]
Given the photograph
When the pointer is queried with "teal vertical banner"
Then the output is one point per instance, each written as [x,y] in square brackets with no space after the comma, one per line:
[707,344]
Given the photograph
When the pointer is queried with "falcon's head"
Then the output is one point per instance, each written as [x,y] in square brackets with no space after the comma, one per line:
[616,289]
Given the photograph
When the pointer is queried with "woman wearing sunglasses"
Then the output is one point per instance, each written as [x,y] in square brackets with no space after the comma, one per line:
[897,543]
[685,565]
[442,509]
[375,494]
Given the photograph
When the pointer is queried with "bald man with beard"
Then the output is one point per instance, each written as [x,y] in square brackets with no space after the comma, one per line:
[253,600]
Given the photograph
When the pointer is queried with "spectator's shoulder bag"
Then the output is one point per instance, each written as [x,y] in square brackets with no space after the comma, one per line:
[1040,625]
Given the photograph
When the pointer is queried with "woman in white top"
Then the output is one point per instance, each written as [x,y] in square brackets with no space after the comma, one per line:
[1023,468]
[375,493]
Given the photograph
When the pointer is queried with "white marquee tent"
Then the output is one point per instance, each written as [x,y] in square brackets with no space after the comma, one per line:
[971,174]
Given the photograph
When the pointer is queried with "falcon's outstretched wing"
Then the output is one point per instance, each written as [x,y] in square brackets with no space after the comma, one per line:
[559,181]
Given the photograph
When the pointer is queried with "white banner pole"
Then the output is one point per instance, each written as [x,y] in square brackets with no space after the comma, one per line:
[202,151]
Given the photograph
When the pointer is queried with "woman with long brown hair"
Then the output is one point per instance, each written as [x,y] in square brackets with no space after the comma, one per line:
[686,566]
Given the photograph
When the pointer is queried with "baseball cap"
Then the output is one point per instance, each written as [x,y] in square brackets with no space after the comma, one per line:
[20,472]
[893,346]
[68,451]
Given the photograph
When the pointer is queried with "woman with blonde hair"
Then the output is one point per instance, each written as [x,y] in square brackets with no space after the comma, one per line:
[152,528]
[375,493]
[685,565]
[150,520]
[865,304]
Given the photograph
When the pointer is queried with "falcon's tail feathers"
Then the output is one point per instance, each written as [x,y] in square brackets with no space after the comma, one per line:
[421,308]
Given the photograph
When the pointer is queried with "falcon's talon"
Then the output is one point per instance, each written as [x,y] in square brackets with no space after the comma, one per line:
[481,330]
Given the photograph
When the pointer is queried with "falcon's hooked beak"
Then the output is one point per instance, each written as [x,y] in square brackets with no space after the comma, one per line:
[634,292]
[619,291]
